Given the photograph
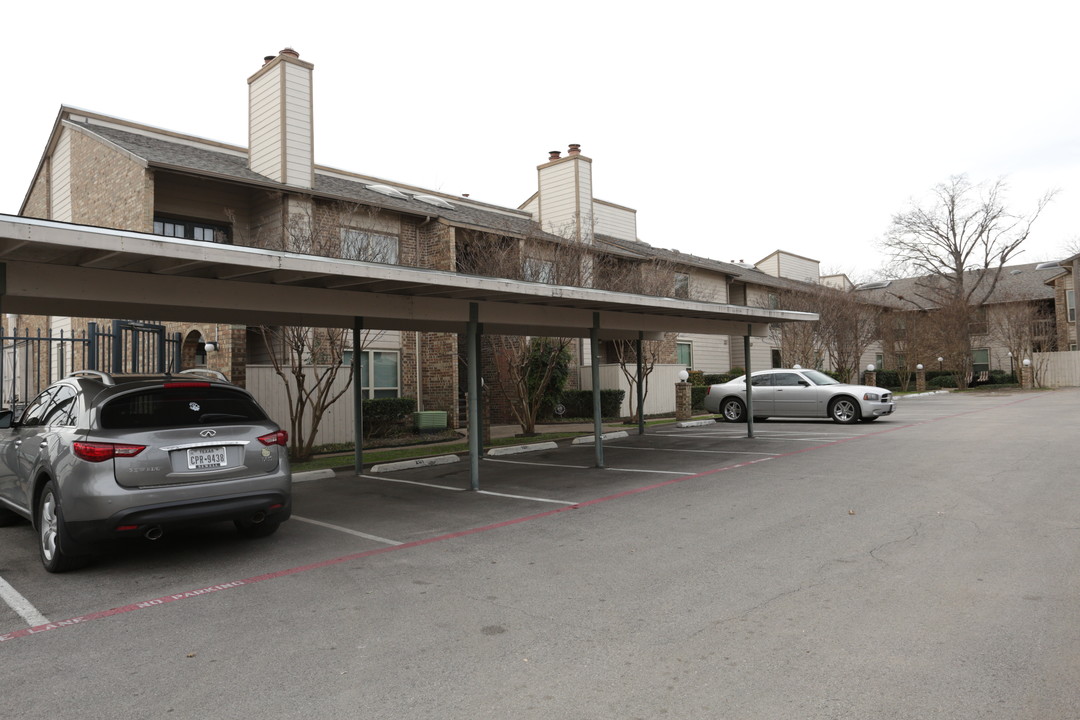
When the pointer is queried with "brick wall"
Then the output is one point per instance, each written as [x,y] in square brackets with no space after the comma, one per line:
[37,202]
[108,188]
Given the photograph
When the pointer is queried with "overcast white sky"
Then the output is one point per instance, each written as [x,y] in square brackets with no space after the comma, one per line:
[734,129]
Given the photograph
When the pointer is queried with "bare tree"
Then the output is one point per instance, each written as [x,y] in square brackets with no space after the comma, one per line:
[309,360]
[1025,329]
[957,244]
[845,328]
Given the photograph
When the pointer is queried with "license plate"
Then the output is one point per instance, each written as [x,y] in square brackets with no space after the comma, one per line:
[205,458]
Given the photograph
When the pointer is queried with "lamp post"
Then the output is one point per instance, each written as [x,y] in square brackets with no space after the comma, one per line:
[939,361]
[683,397]
[1026,379]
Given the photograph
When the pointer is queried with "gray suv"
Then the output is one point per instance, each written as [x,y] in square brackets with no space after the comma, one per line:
[96,458]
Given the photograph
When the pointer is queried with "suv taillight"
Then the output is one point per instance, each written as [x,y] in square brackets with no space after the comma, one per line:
[281,437]
[100,452]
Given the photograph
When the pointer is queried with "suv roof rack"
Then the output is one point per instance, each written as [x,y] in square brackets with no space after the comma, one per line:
[104,377]
[205,372]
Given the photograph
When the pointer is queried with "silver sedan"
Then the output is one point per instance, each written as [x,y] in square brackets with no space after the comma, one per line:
[796,392]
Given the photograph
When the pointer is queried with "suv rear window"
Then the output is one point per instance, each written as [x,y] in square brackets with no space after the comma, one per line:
[180,407]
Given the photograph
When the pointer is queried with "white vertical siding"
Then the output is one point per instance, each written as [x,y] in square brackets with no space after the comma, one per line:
[264,130]
[60,182]
[299,166]
[558,206]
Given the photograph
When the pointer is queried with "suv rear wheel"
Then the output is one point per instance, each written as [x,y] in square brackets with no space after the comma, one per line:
[51,533]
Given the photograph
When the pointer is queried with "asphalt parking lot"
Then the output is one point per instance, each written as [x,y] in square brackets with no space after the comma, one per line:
[921,565]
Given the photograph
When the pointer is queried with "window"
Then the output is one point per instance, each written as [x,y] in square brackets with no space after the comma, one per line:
[180,407]
[777,359]
[682,286]
[787,380]
[536,270]
[369,246]
[62,412]
[684,354]
[977,326]
[980,360]
[192,230]
[379,373]
[1070,303]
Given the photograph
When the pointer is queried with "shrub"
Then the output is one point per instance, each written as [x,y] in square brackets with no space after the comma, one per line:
[579,403]
[697,396]
[718,378]
[943,381]
[384,417]
[888,378]
[697,377]
[736,372]
[542,354]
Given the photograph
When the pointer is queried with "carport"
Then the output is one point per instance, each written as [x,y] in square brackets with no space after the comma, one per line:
[52,268]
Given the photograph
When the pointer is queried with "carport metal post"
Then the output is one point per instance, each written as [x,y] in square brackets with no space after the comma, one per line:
[640,389]
[598,425]
[749,393]
[472,359]
[358,396]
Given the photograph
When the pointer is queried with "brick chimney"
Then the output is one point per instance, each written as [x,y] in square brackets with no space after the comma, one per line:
[280,128]
[565,200]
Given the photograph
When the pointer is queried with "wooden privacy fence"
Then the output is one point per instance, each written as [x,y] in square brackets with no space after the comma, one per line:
[660,384]
[1057,369]
[268,389]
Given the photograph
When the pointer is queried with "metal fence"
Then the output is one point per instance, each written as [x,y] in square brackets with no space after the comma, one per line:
[31,361]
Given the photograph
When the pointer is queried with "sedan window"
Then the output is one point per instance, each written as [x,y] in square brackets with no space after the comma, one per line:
[788,379]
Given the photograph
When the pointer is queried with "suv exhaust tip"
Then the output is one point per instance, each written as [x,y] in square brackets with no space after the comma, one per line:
[258,518]
[154,533]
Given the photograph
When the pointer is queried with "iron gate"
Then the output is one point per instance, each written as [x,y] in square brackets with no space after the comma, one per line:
[30,362]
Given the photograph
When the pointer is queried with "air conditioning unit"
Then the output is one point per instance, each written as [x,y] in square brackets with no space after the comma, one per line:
[429,420]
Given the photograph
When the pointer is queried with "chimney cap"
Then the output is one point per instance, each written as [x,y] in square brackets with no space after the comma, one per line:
[554,154]
[289,51]
[575,149]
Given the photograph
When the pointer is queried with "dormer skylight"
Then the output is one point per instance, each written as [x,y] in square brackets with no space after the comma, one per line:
[433,200]
[388,191]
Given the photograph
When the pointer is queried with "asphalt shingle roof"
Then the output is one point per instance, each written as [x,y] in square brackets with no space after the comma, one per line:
[1017,282]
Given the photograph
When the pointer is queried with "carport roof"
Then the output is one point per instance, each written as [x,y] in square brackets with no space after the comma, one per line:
[57,268]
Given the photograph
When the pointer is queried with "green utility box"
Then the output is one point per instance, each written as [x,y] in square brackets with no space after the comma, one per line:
[429,420]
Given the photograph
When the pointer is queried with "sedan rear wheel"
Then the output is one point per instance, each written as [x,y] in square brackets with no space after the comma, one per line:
[844,410]
[733,410]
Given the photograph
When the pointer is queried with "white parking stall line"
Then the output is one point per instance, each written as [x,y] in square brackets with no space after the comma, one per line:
[411,482]
[643,470]
[707,452]
[486,492]
[21,605]
[523,462]
[526,497]
[776,437]
[357,533]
